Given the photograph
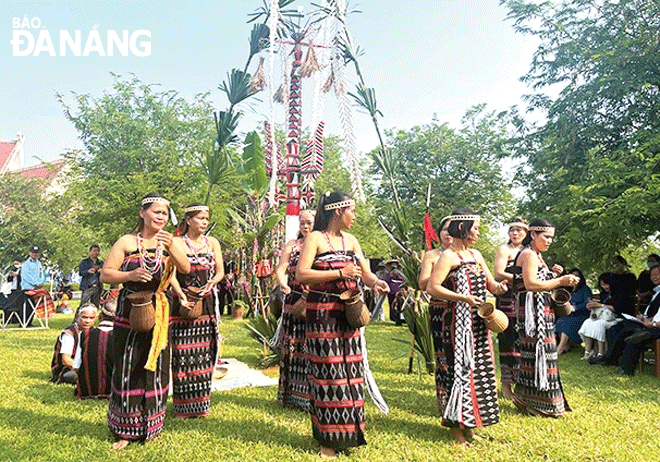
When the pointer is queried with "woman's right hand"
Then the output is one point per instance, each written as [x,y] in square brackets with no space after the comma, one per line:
[139,275]
[285,289]
[472,300]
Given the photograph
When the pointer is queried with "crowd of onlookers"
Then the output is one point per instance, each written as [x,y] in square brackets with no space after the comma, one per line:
[621,322]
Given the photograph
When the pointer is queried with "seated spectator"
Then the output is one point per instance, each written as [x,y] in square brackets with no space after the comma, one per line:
[644,283]
[640,340]
[567,326]
[602,318]
[93,361]
[629,327]
[67,342]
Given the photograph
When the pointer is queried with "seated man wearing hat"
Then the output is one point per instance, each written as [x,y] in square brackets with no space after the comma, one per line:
[67,343]
[93,361]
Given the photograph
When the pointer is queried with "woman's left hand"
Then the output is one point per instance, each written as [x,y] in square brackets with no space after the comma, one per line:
[208,287]
[381,287]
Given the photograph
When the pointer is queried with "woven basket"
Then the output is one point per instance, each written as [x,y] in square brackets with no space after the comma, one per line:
[299,309]
[192,312]
[356,311]
[143,313]
[495,319]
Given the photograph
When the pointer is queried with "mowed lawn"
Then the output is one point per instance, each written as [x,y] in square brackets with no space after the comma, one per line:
[614,418]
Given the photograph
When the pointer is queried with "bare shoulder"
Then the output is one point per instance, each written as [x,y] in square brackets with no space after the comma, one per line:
[127,242]
[431,256]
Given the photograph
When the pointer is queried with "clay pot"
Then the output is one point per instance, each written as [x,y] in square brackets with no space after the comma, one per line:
[299,309]
[495,319]
[237,311]
[143,313]
[192,312]
[356,311]
[560,301]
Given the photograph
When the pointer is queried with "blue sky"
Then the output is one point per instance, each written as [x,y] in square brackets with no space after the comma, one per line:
[423,57]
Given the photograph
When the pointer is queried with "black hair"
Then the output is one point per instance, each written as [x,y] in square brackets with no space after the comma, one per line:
[655,257]
[323,216]
[457,231]
[536,222]
[518,220]
[94,246]
[442,225]
[140,223]
[183,226]
[607,279]
[583,280]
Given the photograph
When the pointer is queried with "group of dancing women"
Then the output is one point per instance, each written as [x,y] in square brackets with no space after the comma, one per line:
[182,338]
[323,357]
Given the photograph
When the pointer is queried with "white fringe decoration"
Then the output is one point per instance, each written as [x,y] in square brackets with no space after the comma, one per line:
[530,315]
[372,387]
[273,24]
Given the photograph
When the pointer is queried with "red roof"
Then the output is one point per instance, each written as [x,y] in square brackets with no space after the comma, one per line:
[6,147]
[46,171]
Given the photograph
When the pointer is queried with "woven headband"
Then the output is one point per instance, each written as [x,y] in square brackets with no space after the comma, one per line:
[339,205]
[541,229]
[196,208]
[518,224]
[462,218]
[151,200]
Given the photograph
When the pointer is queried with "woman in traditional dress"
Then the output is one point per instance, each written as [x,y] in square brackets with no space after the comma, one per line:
[538,385]
[502,271]
[331,262]
[293,388]
[465,370]
[195,341]
[142,261]
[432,256]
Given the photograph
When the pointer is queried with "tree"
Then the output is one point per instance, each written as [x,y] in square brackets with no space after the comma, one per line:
[462,167]
[29,216]
[137,139]
[593,166]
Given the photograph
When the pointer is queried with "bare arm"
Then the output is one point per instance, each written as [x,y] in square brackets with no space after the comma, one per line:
[530,266]
[280,272]
[501,259]
[306,275]
[430,258]
[67,360]
[445,263]
[111,272]
[176,250]
[368,277]
[492,285]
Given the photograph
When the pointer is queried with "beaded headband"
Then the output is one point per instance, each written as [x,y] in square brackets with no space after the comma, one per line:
[541,229]
[518,224]
[196,208]
[151,200]
[339,205]
[462,218]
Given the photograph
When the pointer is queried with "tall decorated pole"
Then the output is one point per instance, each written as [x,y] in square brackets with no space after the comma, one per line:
[294,126]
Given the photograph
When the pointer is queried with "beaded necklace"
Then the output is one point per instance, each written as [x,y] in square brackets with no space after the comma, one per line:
[343,243]
[152,265]
[196,250]
[470,266]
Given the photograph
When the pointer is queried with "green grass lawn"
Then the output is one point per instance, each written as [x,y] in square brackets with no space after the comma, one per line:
[613,418]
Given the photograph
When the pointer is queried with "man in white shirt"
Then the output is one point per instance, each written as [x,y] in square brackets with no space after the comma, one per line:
[67,342]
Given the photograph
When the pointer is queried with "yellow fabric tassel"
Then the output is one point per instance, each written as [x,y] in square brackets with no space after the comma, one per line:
[159,338]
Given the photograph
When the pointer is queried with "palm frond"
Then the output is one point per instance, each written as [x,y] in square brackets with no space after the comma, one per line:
[237,86]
